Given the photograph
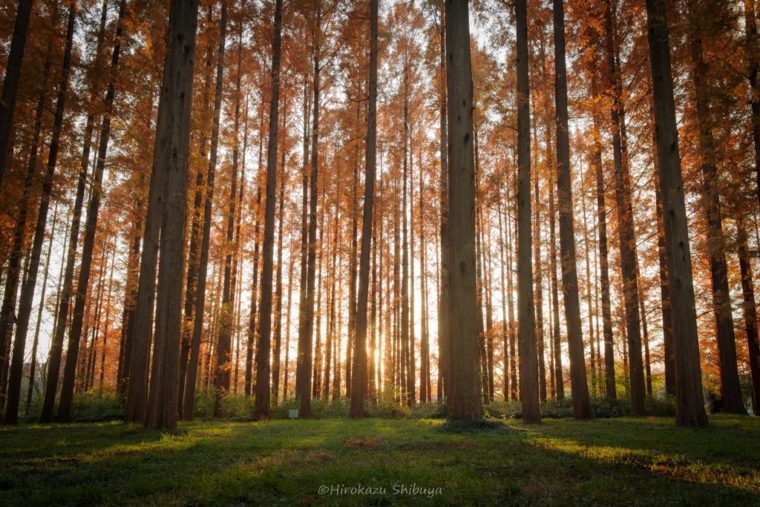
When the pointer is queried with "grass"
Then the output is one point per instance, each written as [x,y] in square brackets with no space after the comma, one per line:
[635,461]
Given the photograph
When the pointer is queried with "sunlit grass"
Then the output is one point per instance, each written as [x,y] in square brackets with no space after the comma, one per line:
[614,461]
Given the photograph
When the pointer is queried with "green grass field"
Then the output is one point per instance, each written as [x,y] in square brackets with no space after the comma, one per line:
[561,462]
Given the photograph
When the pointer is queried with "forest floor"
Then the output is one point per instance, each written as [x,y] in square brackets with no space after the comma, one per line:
[384,461]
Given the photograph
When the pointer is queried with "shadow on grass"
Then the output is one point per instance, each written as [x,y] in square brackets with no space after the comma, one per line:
[287,461]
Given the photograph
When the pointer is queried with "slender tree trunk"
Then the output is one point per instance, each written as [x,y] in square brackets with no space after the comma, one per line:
[505,330]
[107,325]
[443,302]
[512,224]
[200,292]
[265,323]
[579,384]
[405,310]
[601,211]
[11,81]
[224,338]
[730,389]
[586,249]
[286,376]
[35,342]
[27,291]
[526,317]
[352,263]
[425,395]
[13,272]
[539,291]
[306,320]
[193,256]
[625,217]
[278,288]
[690,409]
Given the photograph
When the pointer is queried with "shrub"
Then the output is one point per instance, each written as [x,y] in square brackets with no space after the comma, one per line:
[91,406]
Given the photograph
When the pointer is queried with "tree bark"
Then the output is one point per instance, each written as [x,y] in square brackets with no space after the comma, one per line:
[224,337]
[750,314]
[526,317]
[171,157]
[306,324]
[443,300]
[265,323]
[730,390]
[196,228]
[11,81]
[579,384]
[690,410]
[359,375]
[14,271]
[625,217]
[27,291]
[200,295]
[35,342]
[463,388]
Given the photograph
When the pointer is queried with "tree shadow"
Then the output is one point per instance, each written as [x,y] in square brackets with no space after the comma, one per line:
[223,463]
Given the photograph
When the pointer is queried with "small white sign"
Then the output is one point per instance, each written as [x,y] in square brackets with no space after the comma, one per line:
[293,413]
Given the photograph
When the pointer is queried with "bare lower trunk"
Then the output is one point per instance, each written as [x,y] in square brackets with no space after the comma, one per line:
[463,389]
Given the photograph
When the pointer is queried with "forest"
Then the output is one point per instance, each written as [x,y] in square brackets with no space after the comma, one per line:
[471,243]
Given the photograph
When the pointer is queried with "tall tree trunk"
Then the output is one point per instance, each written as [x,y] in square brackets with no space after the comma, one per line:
[93,207]
[690,409]
[193,256]
[463,389]
[604,271]
[443,301]
[171,157]
[526,317]
[139,360]
[625,217]
[306,319]
[27,290]
[265,323]
[224,338]
[730,389]
[579,384]
[11,81]
[405,310]
[200,292]
[13,272]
